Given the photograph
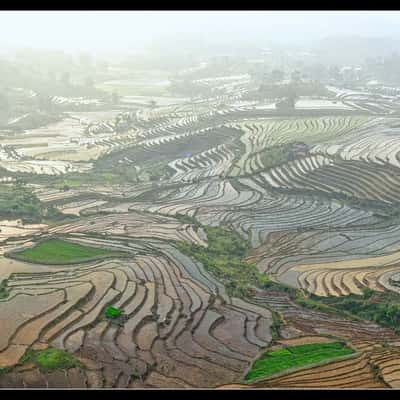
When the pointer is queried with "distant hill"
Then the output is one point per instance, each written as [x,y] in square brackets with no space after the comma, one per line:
[353,50]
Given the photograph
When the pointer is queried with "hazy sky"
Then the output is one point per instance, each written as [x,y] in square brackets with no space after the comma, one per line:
[129,29]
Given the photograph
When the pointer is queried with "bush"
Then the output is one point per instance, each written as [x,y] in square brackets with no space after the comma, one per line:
[4,293]
[112,312]
[367,293]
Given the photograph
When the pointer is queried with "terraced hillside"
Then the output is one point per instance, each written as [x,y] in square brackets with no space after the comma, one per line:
[177,327]
[138,210]
[356,371]
[355,179]
[260,134]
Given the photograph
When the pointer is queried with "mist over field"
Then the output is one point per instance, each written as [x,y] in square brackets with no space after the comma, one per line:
[199,199]
[108,30]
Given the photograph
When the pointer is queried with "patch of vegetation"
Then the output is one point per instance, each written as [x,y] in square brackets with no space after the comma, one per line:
[136,374]
[119,173]
[223,258]
[273,362]
[277,155]
[53,214]
[56,251]
[307,301]
[311,303]
[75,180]
[376,371]
[4,293]
[17,201]
[154,171]
[277,323]
[186,219]
[51,359]
[5,370]
[381,308]
[270,284]
[105,172]
[112,312]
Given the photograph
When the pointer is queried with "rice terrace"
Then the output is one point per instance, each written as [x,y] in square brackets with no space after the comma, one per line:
[176,215]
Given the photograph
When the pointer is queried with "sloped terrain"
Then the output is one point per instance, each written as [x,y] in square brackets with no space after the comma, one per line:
[311,197]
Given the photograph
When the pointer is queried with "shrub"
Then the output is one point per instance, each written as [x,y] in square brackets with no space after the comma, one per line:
[112,312]
[4,293]
[51,359]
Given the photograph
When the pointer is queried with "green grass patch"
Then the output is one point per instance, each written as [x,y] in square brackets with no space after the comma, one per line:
[51,359]
[112,312]
[56,251]
[273,362]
